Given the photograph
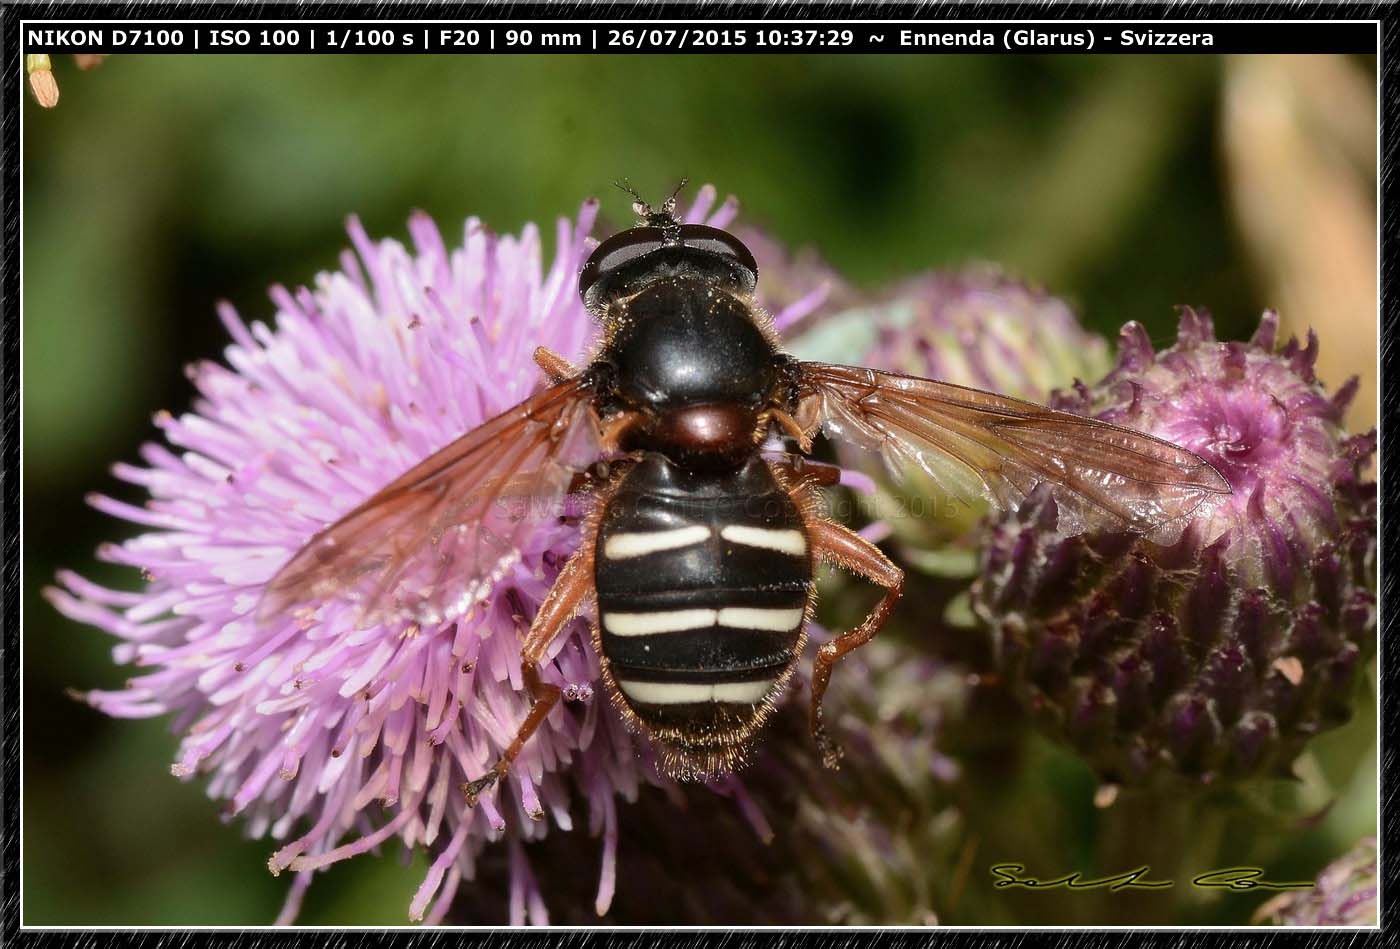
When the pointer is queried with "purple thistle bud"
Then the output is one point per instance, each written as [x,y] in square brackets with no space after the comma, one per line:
[329,738]
[1344,895]
[1220,655]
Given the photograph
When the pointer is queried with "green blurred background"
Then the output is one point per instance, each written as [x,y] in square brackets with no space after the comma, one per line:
[161,184]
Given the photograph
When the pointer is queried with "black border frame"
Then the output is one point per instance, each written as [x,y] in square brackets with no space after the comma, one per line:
[11,81]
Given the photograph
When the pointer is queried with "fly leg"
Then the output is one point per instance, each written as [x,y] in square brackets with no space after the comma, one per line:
[842,547]
[555,366]
[802,475]
[568,594]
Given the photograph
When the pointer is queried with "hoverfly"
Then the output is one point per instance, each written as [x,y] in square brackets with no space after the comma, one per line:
[700,549]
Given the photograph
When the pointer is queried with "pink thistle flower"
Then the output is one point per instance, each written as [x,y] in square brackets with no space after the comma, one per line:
[329,738]
[798,286]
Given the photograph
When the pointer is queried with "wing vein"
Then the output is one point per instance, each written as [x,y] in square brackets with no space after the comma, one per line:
[429,543]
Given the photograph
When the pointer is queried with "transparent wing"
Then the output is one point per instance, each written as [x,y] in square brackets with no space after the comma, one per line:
[970,441]
[434,541]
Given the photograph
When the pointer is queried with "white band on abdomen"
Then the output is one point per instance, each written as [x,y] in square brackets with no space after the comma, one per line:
[752,617]
[627,546]
[667,621]
[677,693]
[676,621]
[786,541]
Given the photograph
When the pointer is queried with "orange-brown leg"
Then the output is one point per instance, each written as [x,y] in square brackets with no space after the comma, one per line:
[788,425]
[801,474]
[565,598]
[554,365]
[844,548]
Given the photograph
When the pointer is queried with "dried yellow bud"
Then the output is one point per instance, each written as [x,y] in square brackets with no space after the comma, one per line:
[41,80]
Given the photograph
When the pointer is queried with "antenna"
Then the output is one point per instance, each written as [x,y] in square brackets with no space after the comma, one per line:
[639,206]
[644,211]
[669,208]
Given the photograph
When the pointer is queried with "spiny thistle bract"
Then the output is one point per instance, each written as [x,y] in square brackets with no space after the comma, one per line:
[1219,656]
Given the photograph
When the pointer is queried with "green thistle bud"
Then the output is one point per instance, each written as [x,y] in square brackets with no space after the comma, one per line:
[1220,655]
[978,327]
[975,327]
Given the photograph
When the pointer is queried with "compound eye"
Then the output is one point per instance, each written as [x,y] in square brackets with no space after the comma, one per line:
[712,240]
[617,251]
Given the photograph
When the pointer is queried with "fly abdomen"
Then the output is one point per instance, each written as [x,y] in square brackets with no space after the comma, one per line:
[703,582]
